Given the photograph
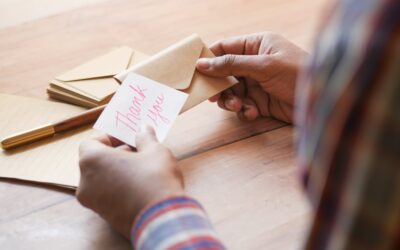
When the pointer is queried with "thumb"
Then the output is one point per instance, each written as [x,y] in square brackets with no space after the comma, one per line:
[145,138]
[252,66]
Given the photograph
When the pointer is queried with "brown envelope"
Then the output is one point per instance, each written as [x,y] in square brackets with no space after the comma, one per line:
[94,80]
[176,67]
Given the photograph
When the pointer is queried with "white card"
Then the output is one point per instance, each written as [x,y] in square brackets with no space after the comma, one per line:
[140,101]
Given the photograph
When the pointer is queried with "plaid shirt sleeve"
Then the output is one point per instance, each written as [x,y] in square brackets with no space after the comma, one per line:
[174,223]
[349,128]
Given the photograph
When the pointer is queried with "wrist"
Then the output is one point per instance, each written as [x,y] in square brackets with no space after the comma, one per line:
[158,206]
[156,200]
[180,212]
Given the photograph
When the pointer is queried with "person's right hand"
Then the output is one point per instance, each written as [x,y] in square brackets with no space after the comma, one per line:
[266,65]
[117,183]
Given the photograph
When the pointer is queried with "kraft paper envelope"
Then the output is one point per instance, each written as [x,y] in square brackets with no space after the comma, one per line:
[176,67]
[53,160]
[93,80]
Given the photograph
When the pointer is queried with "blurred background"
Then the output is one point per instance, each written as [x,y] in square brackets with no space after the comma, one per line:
[13,12]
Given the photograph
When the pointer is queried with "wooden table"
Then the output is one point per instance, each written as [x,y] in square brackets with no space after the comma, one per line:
[243,173]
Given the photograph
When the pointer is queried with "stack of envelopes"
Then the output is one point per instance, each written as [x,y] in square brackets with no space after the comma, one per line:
[92,84]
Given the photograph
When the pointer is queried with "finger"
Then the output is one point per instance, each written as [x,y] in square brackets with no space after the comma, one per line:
[240,89]
[281,110]
[249,110]
[229,101]
[109,141]
[223,96]
[91,145]
[238,45]
[254,67]
[145,138]
[233,103]
[214,98]
[125,148]
[221,104]
[260,98]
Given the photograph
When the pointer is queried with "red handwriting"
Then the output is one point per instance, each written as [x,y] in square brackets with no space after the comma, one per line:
[132,118]
[155,112]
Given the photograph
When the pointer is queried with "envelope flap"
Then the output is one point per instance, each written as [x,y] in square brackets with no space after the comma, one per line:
[106,65]
[173,66]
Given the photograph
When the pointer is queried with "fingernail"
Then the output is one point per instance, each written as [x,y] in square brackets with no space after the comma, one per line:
[250,112]
[230,104]
[203,63]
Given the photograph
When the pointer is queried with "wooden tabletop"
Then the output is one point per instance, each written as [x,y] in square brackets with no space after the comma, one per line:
[243,173]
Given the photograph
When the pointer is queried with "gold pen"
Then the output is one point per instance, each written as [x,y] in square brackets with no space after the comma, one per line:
[51,129]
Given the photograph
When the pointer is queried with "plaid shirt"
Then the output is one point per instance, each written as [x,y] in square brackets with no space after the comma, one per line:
[349,122]
[348,116]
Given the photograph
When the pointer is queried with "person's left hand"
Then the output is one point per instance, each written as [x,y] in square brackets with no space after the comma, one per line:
[117,183]
[266,65]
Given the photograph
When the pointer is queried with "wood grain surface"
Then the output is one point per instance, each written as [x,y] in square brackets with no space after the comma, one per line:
[244,174]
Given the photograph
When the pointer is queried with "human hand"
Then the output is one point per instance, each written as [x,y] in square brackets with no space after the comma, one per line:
[266,65]
[117,183]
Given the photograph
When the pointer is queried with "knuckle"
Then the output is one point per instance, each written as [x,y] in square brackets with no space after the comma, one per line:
[165,152]
[87,159]
[265,62]
[83,147]
[155,146]
[86,145]
[272,39]
[160,150]
[165,155]
[270,34]
[228,60]
[81,197]
[221,103]
[267,33]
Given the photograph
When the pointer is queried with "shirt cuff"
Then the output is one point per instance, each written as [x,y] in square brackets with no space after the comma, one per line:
[177,222]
